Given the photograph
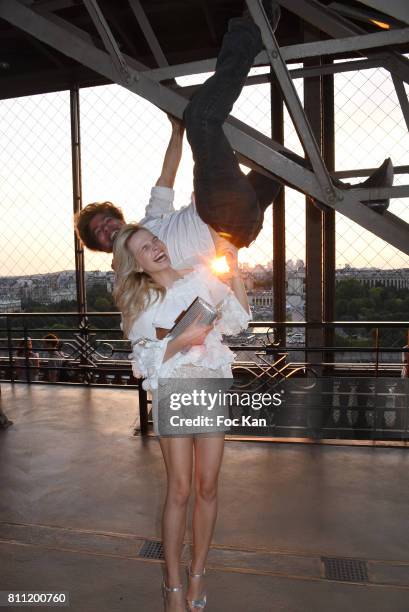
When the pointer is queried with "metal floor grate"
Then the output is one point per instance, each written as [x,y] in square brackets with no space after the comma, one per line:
[151,549]
[348,570]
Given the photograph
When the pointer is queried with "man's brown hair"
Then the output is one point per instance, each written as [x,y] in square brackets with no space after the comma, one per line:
[83,218]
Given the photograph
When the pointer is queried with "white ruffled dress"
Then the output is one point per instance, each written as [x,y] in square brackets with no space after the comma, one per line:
[213,359]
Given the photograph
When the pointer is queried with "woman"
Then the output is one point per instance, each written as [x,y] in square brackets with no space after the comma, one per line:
[151,295]
[28,361]
[54,359]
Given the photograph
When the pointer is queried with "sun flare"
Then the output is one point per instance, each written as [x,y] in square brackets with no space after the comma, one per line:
[220,265]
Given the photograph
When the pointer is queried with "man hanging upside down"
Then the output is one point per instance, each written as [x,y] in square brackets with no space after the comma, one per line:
[227,204]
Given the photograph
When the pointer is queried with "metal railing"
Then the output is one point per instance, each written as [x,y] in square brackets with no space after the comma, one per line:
[88,353]
[268,352]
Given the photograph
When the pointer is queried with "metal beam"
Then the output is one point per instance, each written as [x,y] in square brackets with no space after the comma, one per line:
[293,52]
[48,81]
[314,228]
[346,45]
[333,68]
[291,99]
[251,143]
[128,40]
[297,73]
[279,234]
[71,45]
[148,32]
[322,17]
[381,193]
[77,197]
[337,26]
[329,221]
[50,5]
[366,172]
[398,9]
[362,14]
[403,98]
[108,39]
[67,26]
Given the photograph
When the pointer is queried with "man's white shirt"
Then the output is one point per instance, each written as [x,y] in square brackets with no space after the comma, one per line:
[186,236]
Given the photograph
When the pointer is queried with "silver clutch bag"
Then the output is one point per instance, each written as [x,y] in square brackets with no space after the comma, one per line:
[196,308]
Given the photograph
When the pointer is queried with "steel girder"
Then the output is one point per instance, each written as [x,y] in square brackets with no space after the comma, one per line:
[295,52]
[250,143]
[399,9]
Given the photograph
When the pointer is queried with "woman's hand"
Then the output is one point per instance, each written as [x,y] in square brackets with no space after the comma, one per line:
[195,334]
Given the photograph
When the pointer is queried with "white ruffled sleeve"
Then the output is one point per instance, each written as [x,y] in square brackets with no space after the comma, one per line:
[160,202]
[147,359]
[234,318]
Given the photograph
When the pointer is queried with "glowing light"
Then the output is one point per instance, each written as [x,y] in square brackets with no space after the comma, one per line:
[220,265]
[381,24]
[225,235]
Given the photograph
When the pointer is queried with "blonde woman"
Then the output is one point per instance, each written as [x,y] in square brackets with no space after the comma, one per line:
[151,295]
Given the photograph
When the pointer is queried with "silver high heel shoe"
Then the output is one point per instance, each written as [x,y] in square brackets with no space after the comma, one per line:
[191,604]
[166,590]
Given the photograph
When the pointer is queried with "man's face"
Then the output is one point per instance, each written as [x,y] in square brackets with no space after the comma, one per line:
[104,227]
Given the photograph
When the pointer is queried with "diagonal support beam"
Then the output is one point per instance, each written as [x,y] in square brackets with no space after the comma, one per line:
[331,23]
[295,52]
[403,98]
[66,25]
[291,98]
[108,39]
[149,34]
[250,143]
[398,9]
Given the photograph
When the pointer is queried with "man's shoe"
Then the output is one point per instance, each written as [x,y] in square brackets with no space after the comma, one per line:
[382,177]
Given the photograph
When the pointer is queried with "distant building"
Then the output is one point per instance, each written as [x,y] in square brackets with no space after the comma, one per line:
[97,279]
[259,272]
[10,305]
[64,295]
[375,277]
[261,298]
[296,280]
[41,293]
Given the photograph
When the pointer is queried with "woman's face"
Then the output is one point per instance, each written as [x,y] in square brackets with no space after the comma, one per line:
[149,252]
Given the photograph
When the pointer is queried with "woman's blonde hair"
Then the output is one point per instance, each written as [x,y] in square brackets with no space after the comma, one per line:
[134,289]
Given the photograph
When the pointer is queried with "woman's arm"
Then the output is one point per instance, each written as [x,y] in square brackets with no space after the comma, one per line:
[239,291]
[195,334]
[173,154]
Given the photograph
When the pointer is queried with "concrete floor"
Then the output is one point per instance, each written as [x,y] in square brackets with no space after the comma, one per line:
[80,493]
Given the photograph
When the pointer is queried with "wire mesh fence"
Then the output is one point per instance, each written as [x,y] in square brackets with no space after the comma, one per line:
[123,140]
[36,185]
[369,127]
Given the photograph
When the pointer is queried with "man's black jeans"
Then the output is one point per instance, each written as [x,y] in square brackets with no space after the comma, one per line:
[226,199]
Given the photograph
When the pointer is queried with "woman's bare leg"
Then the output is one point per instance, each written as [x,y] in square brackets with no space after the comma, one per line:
[178,455]
[208,460]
